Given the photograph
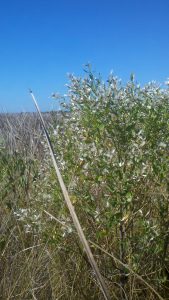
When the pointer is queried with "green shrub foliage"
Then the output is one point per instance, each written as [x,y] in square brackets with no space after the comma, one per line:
[114,154]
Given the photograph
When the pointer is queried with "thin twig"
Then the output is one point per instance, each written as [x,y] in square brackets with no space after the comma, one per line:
[127,267]
[112,256]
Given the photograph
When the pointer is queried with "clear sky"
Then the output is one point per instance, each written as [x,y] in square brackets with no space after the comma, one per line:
[43,40]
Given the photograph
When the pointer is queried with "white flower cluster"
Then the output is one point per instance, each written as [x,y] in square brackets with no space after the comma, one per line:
[29,217]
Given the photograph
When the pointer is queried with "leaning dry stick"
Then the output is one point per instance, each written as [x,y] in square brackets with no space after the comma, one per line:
[71,209]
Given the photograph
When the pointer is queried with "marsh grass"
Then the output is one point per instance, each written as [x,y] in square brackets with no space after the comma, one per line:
[112,151]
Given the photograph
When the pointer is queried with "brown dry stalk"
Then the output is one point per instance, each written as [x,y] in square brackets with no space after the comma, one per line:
[71,209]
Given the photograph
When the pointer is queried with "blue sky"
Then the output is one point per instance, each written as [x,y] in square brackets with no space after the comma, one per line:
[43,40]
